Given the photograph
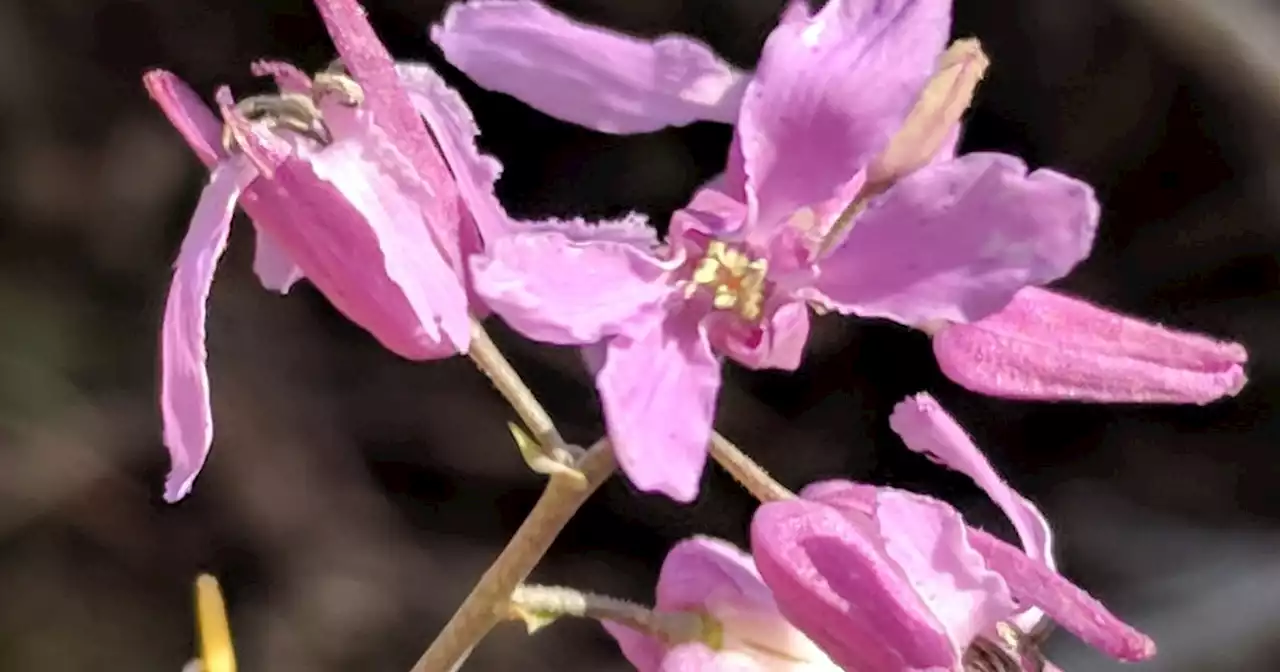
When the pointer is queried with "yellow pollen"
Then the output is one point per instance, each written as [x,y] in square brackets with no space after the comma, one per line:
[736,281]
[216,653]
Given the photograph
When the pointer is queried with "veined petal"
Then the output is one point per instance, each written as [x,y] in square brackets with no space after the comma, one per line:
[455,131]
[555,289]
[184,395]
[1033,583]
[834,581]
[272,264]
[828,94]
[955,241]
[1045,345]
[585,75]
[658,387]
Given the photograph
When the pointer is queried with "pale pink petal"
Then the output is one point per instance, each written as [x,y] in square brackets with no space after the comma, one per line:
[1033,583]
[929,541]
[810,123]
[372,67]
[1045,345]
[643,652]
[554,289]
[199,126]
[360,234]
[658,387]
[275,270]
[585,75]
[703,569]
[833,579]
[776,343]
[701,658]
[955,241]
[184,393]
[926,428]
[454,129]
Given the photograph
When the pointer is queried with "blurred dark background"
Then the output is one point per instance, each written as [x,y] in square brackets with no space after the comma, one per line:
[352,497]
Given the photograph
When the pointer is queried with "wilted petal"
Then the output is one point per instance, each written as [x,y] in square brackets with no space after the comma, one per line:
[834,581]
[184,395]
[554,289]
[1044,345]
[828,94]
[1031,582]
[658,387]
[926,428]
[275,270]
[933,124]
[455,131]
[585,75]
[955,241]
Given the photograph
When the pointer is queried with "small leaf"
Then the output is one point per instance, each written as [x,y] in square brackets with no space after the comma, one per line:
[534,619]
[536,457]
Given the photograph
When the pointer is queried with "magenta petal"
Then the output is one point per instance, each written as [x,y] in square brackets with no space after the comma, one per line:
[454,129]
[555,289]
[809,123]
[275,270]
[1072,608]
[1045,345]
[833,581]
[658,387]
[184,395]
[955,241]
[776,343]
[927,429]
[585,75]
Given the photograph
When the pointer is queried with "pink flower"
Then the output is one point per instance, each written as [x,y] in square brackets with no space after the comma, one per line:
[883,579]
[1045,345]
[744,633]
[952,241]
[354,194]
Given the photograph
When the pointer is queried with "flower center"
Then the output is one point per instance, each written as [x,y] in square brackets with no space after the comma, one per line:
[734,280]
[298,112]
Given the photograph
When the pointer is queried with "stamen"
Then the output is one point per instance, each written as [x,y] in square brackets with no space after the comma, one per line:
[291,111]
[736,281]
[216,653]
[327,82]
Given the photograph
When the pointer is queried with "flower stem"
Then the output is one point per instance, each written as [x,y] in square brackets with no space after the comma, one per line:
[537,606]
[489,359]
[486,605]
[746,471]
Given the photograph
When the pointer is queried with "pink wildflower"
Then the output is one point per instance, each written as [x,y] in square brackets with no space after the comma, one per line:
[883,579]
[744,631]
[953,241]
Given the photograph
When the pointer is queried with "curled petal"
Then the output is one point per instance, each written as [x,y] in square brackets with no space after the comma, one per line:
[554,289]
[1045,345]
[776,343]
[275,270]
[933,124]
[1032,582]
[955,241]
[589,76]
[809,124]
[834,581]
[658,387]
[454,129]
[184,395]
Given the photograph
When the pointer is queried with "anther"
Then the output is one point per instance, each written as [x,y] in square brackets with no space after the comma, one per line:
[328,82]
[736,281]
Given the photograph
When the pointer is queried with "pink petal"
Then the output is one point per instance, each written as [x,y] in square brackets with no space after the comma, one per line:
[809,124]
[288,78]
[926,428]
[832,578]
[272,264]
[776,343]
[189,115]
[1034,583]
[371,65]
[454,129]
[643,652]
[555,289]
[355,226]
[658,388]
[701,658]
[1045,345]
[702,569]
[585,75]
[955,241]
[184,395]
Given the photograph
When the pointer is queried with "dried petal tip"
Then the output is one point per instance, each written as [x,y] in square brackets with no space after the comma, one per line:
[1048,346]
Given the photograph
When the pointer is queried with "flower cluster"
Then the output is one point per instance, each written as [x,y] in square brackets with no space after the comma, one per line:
[842,192]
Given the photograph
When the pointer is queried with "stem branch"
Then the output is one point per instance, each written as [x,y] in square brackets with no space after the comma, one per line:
[746,471]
